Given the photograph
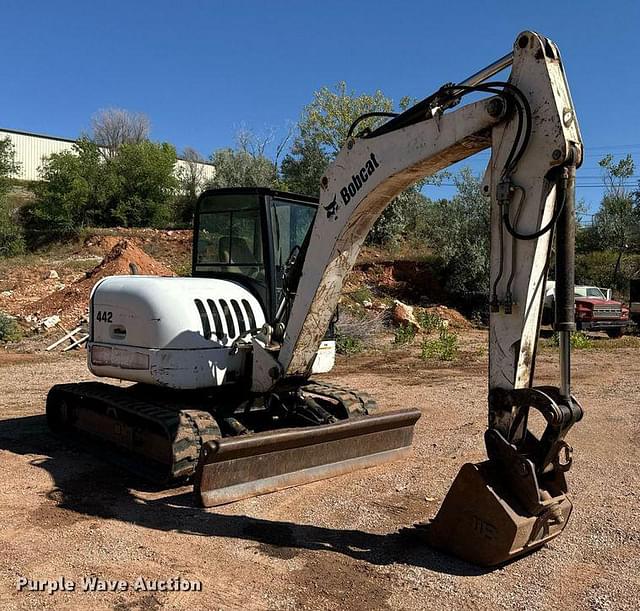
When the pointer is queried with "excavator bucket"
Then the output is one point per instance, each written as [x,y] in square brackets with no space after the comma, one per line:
[481,522]
[236,468]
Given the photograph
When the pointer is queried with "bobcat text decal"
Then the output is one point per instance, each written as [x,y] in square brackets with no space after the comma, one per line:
[357,180]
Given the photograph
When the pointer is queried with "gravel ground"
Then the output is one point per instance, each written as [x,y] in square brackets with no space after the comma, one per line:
[331,544]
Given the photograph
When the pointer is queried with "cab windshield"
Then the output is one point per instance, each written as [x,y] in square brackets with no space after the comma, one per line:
[230,236]
[589,291]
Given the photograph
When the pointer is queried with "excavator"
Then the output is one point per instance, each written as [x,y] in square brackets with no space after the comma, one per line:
[222,362]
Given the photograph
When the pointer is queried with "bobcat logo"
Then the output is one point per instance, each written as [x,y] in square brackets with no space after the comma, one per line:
[332,208]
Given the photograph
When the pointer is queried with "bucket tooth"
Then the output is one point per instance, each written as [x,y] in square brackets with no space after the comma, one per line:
[482,523]
[235,468]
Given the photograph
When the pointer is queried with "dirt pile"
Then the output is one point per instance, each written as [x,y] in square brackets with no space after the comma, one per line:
[409,281]
[452,316]
[100,244]
[126,258]
[172,247]
[71,302]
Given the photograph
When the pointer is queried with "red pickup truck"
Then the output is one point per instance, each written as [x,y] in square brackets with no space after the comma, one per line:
[594,312]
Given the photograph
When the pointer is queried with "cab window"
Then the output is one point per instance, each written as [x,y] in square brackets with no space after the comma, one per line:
[290,222]
[230,236]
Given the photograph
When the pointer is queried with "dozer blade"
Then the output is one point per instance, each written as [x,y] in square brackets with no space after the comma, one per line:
[246,466]
[481,522]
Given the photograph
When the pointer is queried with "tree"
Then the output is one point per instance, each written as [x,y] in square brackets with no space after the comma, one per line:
[146,184]
[11,240]
[133,187]
[192,180]
[322,131]
[74,192]
[113,127]
[617,221]
[458,232]
[400,220]
[245,166]
[303,168]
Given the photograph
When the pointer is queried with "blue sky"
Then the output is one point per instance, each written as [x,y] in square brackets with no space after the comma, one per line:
[201,70]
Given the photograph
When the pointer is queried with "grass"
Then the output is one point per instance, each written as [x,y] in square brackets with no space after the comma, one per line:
[582,341]
[361,295]
[579,341]
[358,330]
[183,269]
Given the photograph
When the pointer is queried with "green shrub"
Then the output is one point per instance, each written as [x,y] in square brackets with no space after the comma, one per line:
[133,186]
[11,238]
[429,321]
[183,269]
[9,329]
[579,340]
[348,344]
[444,348]
[361,295]
[404,334]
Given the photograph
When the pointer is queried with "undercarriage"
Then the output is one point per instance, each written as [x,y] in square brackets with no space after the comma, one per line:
[161,435]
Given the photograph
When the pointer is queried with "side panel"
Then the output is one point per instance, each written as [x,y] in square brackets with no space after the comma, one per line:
[178,369]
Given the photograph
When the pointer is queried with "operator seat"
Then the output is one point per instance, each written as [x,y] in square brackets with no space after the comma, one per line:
[240,252]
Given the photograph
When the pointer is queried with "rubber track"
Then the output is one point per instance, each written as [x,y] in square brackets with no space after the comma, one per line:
[354,401]
[186,430]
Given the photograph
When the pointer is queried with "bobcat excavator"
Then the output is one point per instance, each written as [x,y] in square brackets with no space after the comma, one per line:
[223,360]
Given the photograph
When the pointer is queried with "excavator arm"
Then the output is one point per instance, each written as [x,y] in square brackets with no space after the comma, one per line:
[531,128]
[515,501]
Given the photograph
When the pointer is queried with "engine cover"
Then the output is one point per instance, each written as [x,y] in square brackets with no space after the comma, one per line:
[174,332]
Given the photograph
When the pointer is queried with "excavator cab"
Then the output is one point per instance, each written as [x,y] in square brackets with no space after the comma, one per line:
[250,235]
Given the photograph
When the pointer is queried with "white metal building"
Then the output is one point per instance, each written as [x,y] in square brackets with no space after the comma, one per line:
[30,148]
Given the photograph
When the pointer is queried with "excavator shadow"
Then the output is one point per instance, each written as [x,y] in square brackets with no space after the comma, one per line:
[87,485]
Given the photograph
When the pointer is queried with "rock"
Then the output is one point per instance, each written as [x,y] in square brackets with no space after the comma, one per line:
[403,315]
[367,303]
[6,293]
[52,275]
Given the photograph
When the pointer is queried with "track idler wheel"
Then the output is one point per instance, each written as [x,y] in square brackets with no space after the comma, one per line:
[482,523]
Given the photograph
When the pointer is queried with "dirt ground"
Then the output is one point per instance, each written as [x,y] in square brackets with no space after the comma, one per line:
[331,544]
